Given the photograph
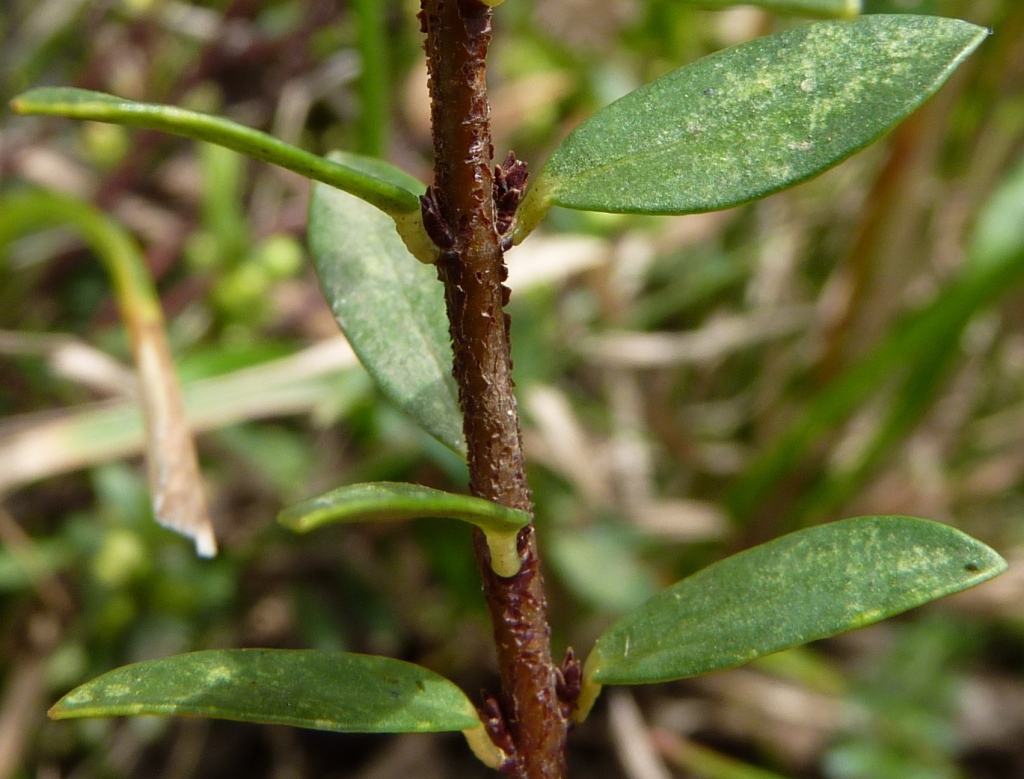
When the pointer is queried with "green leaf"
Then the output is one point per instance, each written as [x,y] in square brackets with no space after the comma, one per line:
[335,691]
[386,501]
[751,120]
[390,307]
[375,181]
[823,8]
[798,588]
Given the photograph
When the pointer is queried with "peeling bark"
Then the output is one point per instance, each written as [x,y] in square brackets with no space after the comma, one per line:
[464,220]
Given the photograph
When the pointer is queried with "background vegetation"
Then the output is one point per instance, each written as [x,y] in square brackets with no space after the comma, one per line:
[690,386]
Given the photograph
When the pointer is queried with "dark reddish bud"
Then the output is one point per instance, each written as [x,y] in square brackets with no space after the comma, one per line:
[509,184]
[569,682]
[433,221]
[494,722]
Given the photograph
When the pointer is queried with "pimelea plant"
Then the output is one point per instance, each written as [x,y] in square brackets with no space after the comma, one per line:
[728,129]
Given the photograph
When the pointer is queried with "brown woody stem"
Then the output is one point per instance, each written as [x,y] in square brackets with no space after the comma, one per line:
[460,214]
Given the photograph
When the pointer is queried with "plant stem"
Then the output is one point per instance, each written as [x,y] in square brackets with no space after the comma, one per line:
[461,205]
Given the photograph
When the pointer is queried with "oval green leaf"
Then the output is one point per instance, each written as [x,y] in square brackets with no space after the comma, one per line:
[391,308]
[375,181]
[840,9]
[335,691]
[751,120]
[801,587]
[386,501]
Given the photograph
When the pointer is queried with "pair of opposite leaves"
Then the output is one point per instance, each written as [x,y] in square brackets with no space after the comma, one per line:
[726,130]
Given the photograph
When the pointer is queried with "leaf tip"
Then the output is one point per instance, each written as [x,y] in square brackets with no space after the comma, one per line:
[194,526]
[19,105]
[65,707]
[290,519]
[300,517]
[36,100]
[206,542]
[978,561]
[987,565]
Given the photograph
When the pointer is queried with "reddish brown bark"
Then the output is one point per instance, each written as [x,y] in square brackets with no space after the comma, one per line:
[460,214]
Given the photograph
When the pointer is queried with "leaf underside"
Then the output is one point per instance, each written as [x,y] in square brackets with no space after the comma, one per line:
[334,691]
[801,587]
[386,501]
[390,306]
[754,119]
[374,180]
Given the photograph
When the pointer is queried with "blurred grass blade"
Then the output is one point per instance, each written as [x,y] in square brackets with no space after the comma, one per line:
[27,562]
[390,307]
[375,181]
[222,207]
[39,446]
[174,478]
[911,404]
[916,352]
[705,763]
[335,691]
[708,136]
[999,230]
[838,9]
[373,85]
[798,588]
[994,266]
[387,501]
[603,565]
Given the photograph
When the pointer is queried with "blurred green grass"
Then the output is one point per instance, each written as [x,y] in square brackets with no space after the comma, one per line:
[665,423]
